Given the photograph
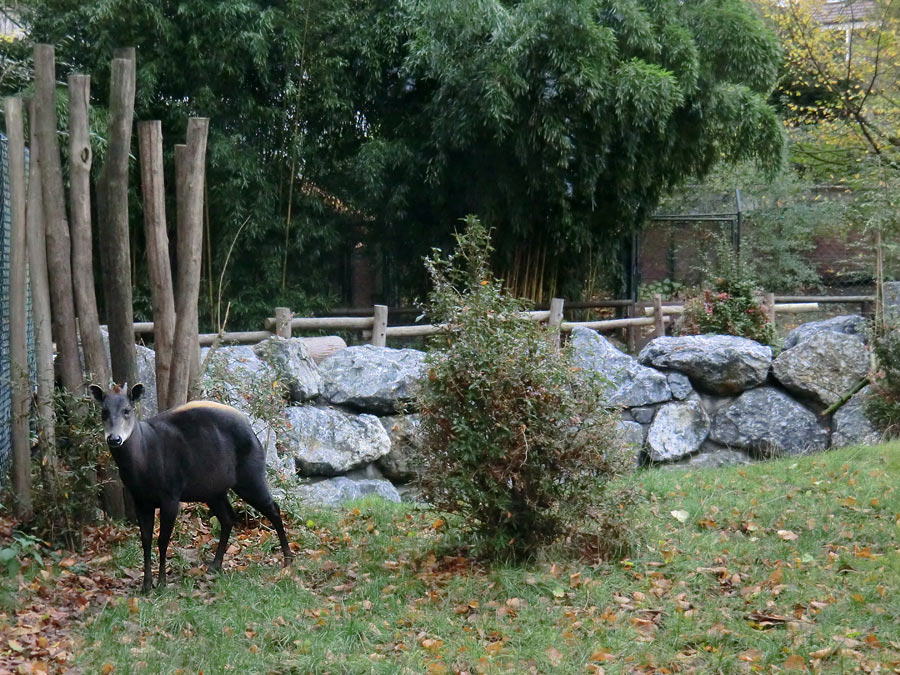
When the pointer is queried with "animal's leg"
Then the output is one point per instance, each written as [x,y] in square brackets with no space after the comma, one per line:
[167,513]
[258,496]
[145,521]
[222,510]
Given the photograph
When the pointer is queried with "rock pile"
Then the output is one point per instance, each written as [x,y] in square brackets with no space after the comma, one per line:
[709,400]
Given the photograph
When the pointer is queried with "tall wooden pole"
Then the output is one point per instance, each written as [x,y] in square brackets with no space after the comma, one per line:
[80,160]
[115,245]
[36,237]
[59,246]
[190,242]
[157,238]
[18,337]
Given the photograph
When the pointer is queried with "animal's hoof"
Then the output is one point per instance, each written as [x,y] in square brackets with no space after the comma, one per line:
[213,566]
[288,561]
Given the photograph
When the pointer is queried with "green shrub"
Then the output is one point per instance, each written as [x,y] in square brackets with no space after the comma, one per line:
[883,404]
[728,302]
[517,440]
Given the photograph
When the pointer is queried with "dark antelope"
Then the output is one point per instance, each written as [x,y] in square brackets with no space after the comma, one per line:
[193,453]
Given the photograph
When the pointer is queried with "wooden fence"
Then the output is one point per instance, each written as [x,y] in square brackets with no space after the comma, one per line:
[373,325]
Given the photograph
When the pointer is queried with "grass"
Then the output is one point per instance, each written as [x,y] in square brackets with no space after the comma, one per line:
[787,565]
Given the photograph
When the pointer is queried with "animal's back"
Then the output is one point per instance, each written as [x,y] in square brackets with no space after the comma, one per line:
[210,445]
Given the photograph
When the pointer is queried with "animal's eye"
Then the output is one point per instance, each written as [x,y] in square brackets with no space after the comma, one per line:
[127,412]
[104,415]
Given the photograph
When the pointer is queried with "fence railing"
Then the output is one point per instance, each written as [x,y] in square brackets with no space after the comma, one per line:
[374,324]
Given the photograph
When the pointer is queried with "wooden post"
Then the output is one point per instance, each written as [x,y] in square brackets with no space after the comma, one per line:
[190,240]
[40,303]
[59,246]
[630,331]
[556,316]
[283,317]
[181,180]
[770,306]
[115,245]
[80,159]
[379,326]
[157,240]
[18,337]
[659,321]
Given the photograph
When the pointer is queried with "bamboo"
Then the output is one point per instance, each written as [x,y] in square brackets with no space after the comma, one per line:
[59,245]
[156,234]
[845,397]
[190,240]
[115,245]
[40,305]
[18,335]
[80,160]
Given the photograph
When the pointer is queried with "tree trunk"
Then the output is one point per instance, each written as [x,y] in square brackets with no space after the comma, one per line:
[80,159]
[59,247]
[40,305]
[190,242]
[152,184]
[115,257]
[18,336]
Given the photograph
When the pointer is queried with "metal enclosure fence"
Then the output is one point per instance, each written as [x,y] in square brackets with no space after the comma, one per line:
[5,391]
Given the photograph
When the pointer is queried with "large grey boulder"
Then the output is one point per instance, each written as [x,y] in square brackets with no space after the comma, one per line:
[146,375]
[231,372]
[850,426]
[327,442]
[823,367]
[680,384]
[336,491]
[848,324]
[712,456]
[722,364]
[767,421]
[630,384]
[401,464]
[290,359]
[371,379]
[678,430]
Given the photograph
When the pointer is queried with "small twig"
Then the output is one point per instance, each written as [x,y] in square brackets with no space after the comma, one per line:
[846,397]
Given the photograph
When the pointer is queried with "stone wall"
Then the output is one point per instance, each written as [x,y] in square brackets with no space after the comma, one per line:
[697,400]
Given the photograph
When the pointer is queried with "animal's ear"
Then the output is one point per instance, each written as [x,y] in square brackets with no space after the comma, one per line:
[136,392]
[97,393]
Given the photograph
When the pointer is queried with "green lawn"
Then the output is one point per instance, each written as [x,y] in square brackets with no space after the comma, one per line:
[790,564]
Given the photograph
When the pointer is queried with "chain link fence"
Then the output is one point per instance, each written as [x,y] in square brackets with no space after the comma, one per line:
[5,391]
[803,244]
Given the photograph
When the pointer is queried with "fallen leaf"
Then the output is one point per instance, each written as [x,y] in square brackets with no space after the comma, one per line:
[795,662]
[554,655]
[788,535]
[680,515]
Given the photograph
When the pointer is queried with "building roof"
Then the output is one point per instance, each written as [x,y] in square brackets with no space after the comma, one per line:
[844,12]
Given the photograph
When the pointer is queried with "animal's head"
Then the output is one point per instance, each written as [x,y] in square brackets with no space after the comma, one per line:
[117,411]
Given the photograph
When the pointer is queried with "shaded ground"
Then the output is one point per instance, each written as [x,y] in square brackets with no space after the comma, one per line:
[791,565]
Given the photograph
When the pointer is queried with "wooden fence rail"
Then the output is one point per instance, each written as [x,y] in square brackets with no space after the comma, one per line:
[374,326]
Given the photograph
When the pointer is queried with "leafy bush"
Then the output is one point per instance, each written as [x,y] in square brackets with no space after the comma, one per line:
[883,405]
[727,303]
[67,486]
[517,439]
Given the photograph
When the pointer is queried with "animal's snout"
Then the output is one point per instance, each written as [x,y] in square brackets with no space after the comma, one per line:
[114,441]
